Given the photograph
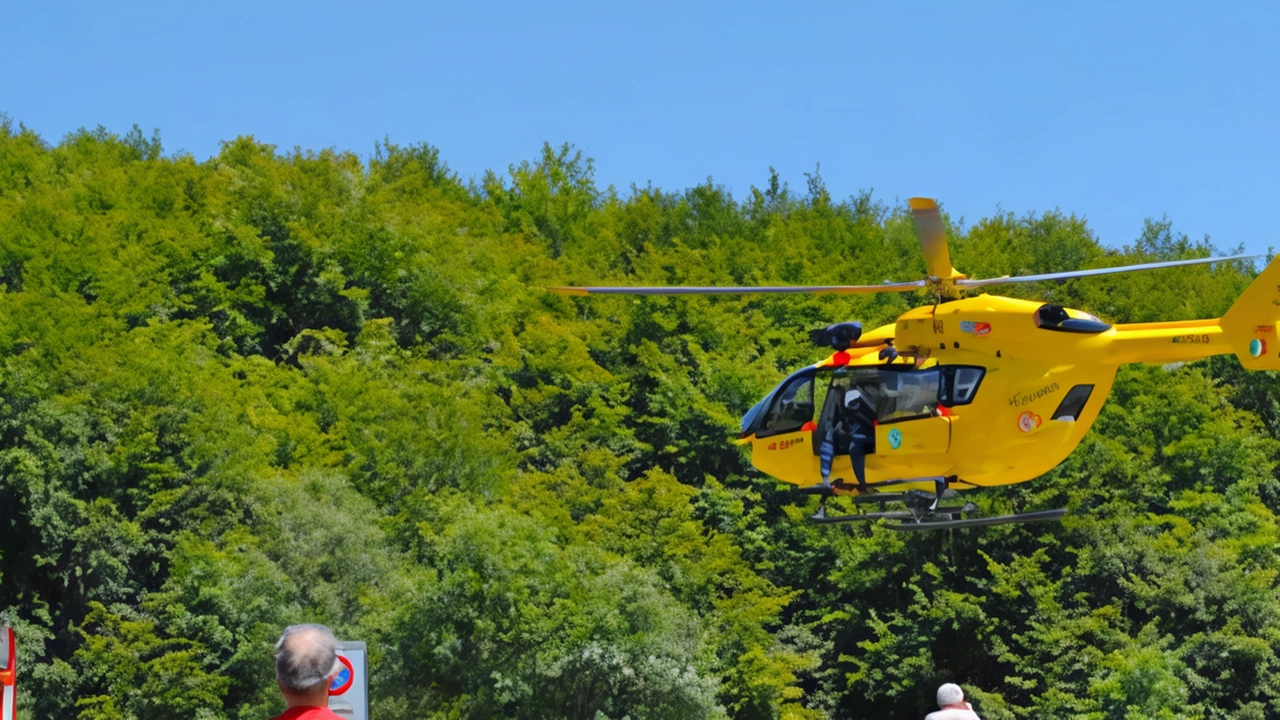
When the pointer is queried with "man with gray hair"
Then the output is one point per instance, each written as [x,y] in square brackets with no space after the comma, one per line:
[306,660]
[952,704]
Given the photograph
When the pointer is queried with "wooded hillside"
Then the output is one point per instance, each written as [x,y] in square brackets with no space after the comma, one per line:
[274,387]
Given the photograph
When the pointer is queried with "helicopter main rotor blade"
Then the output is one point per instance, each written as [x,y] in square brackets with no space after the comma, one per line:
[759,289]
[1097,271]
[933,238]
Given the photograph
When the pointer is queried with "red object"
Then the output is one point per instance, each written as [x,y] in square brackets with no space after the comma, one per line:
[841,358]
[343,685]
[944,411]
[309,712]
[9,677]
[809,426]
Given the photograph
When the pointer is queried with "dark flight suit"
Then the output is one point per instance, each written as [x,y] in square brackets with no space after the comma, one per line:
[854,420]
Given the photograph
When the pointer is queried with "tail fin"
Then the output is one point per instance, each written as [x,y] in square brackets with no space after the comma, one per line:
[1252,325]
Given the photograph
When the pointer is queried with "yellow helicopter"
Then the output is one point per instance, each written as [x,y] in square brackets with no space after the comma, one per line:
[967,392]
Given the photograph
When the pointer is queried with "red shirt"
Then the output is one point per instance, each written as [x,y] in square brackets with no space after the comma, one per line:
[307,712]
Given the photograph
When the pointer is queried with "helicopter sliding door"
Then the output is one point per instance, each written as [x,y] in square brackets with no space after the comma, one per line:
[909,419]
[911,435]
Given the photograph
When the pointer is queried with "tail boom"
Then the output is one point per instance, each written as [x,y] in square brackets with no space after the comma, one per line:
[1159,343]
[1250,330]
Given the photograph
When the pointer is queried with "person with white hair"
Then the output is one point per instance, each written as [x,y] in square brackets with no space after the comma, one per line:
[306,661]
[952,705]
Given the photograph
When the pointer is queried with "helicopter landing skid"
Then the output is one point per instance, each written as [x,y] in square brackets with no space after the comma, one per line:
[942,518]
[822,518]
[923,511]
[876,491]
[1039,516]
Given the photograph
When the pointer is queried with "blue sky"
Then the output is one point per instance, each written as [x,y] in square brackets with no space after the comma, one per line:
[1115,111]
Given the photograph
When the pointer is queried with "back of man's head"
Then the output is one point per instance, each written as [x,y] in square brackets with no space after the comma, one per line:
[950,694]
[305,656]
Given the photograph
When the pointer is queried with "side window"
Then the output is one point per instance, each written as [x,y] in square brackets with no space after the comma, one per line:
[1072,405]
[791,409]
[960,384]
[908,394]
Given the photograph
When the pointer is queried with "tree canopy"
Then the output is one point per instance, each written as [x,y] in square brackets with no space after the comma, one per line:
[271,388]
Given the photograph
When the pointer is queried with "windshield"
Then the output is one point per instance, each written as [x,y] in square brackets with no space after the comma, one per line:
[749,420]
[785,409]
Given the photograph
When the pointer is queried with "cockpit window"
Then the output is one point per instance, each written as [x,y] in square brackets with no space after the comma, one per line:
[792,407]
[785,409]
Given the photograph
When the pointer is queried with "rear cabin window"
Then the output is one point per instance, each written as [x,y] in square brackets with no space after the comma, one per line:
[907,395]
[896,394]
[1073,404]
[960,384]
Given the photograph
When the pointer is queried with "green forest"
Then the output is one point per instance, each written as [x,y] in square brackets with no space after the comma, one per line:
[278,387]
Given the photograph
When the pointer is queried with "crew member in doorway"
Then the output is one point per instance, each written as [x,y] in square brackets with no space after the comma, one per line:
[306,661]
[854,424]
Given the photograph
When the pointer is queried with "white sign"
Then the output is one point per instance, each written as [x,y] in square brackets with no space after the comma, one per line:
[352,683]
